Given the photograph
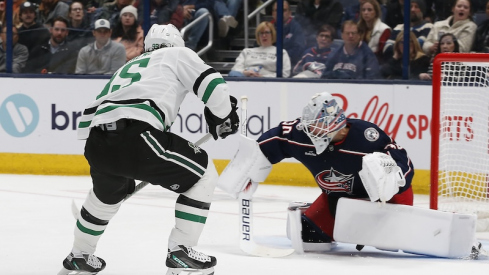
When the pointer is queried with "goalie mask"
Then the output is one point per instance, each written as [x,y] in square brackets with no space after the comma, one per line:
[321,120]
[161,36]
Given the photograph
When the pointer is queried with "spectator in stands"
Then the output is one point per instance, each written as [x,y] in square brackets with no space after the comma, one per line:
[15,13]
[2,12]
[419,26]
[313,14]
[395,13]
[51,9]
[441,9]
[193,9]
[111,11]
[481,43]
[162,12]
[294,41]
[80,33]
[353,12]
[375,32]
[312,63]
[19,51]
[129,33]
[448,43]
[354,60]
[225,12]
[103,56]
[31,33]
[261,61]
[459,24]
[55,55]
[418,61]
[92,5]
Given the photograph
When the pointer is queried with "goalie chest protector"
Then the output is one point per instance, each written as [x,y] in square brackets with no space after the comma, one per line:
[336,169]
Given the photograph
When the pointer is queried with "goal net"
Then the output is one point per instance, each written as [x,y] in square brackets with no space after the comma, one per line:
[460,135]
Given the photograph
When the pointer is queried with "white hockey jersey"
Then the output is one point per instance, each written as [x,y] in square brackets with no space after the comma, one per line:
[151,88]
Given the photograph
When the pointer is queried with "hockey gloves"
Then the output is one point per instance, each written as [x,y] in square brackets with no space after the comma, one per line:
[223,127]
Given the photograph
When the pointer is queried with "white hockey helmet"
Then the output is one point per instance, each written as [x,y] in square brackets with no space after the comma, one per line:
[161,36]
[321,120]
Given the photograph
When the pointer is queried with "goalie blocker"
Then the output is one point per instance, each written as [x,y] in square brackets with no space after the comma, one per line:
[249,164]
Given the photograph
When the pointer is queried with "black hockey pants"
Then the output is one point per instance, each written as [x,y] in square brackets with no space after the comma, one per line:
[136,150]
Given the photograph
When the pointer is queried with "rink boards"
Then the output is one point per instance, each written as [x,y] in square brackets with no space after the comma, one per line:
[38,119]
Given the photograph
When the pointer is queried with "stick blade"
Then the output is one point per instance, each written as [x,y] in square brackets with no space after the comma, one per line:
[247,240]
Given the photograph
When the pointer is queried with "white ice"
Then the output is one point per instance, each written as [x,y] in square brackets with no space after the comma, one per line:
[36,234]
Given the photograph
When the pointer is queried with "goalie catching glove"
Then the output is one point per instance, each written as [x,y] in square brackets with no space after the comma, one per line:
[223,127]
[381,176]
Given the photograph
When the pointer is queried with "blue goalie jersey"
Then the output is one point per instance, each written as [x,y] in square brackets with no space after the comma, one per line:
[336,169]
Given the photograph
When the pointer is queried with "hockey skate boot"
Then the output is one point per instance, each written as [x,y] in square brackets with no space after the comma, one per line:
[185,260]
[82,264]
[478,252]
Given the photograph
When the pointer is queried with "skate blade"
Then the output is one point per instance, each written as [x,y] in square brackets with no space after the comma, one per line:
[65,271]
[189,271]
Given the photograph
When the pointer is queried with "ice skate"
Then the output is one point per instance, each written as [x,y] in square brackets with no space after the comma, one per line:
[184,260]
[478,252]
[82,264]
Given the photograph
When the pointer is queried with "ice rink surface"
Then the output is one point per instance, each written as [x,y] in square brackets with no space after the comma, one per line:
[36,234]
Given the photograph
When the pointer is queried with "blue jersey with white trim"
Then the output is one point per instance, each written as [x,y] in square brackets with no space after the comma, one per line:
[336,169]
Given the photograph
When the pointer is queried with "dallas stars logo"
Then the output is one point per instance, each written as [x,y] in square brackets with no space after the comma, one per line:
[195,147]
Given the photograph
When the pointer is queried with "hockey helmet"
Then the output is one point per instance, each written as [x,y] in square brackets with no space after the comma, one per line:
[161,36]
[321,120]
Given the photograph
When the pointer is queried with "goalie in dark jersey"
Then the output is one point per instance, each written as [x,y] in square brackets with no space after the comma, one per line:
[332,147]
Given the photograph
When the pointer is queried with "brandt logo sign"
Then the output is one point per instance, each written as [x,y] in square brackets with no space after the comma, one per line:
[19,115]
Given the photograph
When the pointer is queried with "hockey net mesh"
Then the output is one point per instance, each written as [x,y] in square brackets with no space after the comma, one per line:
[463,178]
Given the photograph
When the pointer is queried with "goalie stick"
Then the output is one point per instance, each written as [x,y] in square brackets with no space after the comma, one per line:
[246,239]
[141,185]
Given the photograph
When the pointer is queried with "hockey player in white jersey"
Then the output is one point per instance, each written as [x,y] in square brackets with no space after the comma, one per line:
[127,138]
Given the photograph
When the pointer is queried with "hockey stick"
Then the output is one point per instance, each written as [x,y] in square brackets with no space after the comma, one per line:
[141,185]
[246,239]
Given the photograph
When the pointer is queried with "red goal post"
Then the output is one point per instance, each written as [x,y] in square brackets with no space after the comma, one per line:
[460,135]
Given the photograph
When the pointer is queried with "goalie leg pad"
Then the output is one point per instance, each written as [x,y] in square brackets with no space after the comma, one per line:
[390,227]
[249,163]
[304,234]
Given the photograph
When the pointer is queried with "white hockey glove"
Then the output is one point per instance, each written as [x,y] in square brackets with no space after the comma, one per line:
[381,176]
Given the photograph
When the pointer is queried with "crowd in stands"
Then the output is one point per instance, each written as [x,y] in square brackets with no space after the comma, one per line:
[329,39]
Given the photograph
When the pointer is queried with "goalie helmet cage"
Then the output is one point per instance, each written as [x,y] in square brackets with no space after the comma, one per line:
[460,135]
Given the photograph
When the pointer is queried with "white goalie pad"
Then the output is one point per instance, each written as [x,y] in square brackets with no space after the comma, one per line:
[294,230]
[408,228]
[381,176]
[248,163]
